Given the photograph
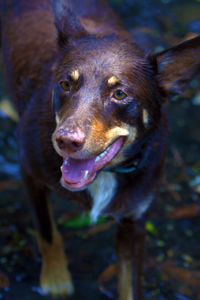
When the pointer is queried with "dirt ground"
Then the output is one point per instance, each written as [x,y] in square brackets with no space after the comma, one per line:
[172,263]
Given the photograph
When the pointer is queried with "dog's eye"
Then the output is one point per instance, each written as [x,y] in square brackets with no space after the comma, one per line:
[119,95]
[65,85]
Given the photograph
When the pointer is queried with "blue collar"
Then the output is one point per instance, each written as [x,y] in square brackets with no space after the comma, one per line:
[133,165]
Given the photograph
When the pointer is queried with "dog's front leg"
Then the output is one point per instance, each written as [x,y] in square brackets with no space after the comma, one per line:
[55,277]
[129,247]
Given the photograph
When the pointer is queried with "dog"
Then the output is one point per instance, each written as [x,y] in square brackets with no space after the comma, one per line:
[93,122]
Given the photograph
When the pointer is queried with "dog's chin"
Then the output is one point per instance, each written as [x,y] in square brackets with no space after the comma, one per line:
[76,187]
[77,174]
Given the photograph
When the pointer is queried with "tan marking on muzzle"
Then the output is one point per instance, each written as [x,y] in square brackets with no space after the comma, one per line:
[53,140]
[145,117]
[113,80]
[75,75]
[57,118]
[98,127]
[131,132]
[111,135]
[116,132]
[96,139]
[101,137]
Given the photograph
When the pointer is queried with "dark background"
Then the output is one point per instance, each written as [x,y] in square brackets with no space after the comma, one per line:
[172,264]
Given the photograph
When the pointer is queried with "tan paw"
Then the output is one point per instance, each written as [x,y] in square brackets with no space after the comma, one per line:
[56,281]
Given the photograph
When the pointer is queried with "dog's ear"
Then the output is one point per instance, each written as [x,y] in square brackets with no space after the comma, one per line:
[176,66]
[67,23]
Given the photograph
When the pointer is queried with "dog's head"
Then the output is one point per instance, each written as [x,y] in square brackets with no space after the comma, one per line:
[108,96]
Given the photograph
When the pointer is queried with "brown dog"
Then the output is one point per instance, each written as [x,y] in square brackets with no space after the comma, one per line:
[93,124]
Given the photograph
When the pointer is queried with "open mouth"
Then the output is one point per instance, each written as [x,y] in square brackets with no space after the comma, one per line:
[78,173]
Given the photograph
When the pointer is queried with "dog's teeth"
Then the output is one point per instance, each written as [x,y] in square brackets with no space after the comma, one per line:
[66,162]
[86,174]
[101,155]
[97,158]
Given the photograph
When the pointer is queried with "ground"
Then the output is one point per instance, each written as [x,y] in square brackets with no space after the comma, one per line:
[172,260]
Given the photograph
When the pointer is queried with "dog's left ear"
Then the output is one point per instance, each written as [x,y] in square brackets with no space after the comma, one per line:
[67,23]
[176,66]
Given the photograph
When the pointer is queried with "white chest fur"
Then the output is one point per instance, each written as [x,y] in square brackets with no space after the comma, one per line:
[102,191]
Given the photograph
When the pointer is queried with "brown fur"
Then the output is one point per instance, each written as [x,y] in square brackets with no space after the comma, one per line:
[42,47]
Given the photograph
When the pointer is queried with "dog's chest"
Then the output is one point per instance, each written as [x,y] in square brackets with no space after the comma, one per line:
[102,190]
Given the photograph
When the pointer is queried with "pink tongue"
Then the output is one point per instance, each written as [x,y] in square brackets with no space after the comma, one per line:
[75,170]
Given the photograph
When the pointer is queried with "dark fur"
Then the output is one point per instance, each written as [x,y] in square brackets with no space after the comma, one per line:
[37,57]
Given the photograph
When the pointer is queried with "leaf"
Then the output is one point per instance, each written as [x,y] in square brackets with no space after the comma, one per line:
[31,231]
[197,189]
[188,277]
[99,228]
[7,107]
[195,181]
[9,184]
[108,273]
[4,280]
[184,211]
[82,221]
[149,226]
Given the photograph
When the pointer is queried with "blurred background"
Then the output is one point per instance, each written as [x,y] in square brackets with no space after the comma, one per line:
[172,262]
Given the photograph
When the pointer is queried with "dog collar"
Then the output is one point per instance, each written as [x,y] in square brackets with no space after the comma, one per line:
[133,165]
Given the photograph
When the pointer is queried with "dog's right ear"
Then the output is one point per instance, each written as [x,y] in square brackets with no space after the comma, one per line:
[67,23]
[177,66]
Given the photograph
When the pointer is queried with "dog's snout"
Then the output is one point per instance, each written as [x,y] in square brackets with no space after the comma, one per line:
[70,140]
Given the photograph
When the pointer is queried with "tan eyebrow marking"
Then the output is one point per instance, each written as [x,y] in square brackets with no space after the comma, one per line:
[145,116]
[75,74]
[113,80]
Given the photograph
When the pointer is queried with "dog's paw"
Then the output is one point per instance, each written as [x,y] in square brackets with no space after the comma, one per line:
[56,281]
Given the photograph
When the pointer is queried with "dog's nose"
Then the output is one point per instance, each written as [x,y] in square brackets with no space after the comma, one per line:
[70,140]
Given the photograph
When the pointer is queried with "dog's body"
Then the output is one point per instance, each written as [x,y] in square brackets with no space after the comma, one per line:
[86,93]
